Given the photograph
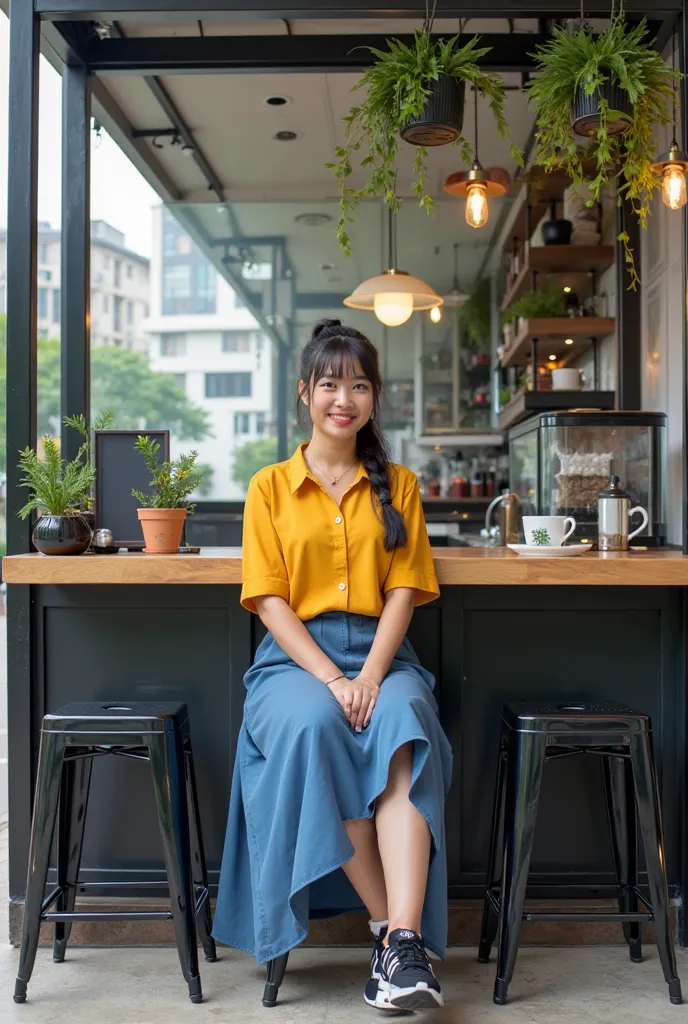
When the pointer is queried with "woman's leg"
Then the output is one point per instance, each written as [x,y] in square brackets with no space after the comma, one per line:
[364,870]
[403,840]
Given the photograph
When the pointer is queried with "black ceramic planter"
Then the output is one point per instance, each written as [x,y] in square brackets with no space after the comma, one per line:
[442,120]
[62,535]
[585,114]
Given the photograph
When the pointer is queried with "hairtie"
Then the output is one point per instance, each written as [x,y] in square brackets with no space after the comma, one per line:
[385,501]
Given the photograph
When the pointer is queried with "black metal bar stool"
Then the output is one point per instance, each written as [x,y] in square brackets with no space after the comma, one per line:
[276,969]
[70,739]
[531,735]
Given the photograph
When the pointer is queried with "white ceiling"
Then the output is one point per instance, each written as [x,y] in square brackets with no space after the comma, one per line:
[269,182]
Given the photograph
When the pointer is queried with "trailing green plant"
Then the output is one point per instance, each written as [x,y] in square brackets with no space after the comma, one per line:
[540,302]
[476,315]
[172,481]
[398,86]
[623,56]
[102,422]
[56,487]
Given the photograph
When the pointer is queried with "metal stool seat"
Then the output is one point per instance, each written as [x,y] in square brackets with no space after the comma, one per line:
[531,735]
[70,739]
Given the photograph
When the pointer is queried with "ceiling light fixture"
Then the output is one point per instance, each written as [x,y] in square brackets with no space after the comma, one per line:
[285,136]
[312,220]
[568,341]
[435,314]
[673,164]
[477,186]
[276,101]
[455,296]
[394,295]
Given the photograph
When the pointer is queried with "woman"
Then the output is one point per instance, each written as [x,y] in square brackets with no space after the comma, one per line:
[342,767]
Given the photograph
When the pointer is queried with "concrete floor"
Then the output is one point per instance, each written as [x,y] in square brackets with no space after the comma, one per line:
[323,986]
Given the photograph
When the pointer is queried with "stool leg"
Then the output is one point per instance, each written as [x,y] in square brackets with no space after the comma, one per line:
[276,969]
[76,780]
[650,818]
[490,920]
[618,787]
[42,827]
[167,767]
[525,762]
[204,919]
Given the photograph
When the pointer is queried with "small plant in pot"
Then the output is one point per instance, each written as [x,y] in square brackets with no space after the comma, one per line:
[102,422]
[540,302]
[57,489]
[165,509]
[417,93]
[598,98]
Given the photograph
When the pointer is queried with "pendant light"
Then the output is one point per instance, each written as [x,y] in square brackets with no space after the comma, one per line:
[455,297]
[673,164]
[477,186]
[394,295]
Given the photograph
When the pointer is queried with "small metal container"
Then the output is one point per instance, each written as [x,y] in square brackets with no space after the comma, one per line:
[613,515]
[102,538]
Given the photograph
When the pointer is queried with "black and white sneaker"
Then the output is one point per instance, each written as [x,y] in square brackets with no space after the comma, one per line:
[406,980]
[372,994]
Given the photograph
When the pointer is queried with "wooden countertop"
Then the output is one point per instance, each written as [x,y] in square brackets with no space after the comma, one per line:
[454,566]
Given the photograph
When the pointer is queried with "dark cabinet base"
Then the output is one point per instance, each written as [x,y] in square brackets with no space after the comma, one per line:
[485,645]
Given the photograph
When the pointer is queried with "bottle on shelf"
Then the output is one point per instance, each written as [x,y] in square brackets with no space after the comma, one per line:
[477,480]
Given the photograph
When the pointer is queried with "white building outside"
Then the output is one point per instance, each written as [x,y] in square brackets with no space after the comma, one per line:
[119,286]
[202,335]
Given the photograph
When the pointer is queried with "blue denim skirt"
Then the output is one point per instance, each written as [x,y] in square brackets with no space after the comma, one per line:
[301,771]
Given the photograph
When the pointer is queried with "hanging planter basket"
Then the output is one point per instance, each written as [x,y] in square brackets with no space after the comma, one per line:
[441,122]
[586,115]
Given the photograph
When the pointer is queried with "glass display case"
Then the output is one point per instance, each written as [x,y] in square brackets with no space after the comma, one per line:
[559,462]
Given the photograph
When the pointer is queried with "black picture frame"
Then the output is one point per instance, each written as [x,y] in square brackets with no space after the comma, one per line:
[119,468]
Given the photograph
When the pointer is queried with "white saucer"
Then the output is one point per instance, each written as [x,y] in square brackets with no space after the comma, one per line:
[545,551]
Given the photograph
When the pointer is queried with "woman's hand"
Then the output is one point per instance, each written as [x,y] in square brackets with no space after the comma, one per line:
[358,697]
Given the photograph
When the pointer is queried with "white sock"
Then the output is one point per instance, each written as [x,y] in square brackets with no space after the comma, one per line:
[377,926]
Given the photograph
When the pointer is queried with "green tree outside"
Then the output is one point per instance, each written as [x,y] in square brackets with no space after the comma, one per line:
[254,455]
[121,381]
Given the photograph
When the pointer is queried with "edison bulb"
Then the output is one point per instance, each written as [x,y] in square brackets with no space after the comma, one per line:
[476,205]
[435,314]
[674,187]
[393,308]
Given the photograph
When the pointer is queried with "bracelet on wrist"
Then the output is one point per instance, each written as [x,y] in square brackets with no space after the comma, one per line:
[340,676]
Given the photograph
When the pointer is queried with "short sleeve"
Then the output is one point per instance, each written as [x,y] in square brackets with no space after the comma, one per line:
[412,565]
[263,567]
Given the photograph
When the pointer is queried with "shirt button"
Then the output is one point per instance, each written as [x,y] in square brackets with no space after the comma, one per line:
[338,519]
[342,586]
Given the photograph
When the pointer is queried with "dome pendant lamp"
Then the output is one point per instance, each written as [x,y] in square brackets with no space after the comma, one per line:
[394,295]
[477,186]
[673,165]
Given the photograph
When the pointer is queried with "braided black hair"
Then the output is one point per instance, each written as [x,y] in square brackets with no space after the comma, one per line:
[332,348]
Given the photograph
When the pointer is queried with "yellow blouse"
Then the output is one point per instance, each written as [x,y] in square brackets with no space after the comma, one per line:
[299,544]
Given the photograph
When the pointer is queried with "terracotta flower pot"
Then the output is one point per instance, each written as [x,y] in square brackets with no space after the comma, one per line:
[162,529]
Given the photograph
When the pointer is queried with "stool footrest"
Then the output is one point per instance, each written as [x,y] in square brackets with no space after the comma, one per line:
[104,915]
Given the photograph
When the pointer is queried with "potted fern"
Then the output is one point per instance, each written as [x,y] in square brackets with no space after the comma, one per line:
[611,89]
[57,489]
[164,510]
[417,93]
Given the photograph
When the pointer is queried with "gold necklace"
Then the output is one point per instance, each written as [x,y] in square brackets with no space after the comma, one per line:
[335,479]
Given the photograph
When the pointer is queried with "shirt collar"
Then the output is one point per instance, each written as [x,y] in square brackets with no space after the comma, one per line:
[298,469]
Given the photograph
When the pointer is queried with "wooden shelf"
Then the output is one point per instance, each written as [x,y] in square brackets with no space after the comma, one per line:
[538,188]
[527,403]
[570,263]
[552,333]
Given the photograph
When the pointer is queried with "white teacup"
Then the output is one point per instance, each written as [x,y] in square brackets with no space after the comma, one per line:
[547,531]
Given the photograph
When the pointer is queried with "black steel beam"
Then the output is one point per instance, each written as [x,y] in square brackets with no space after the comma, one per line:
[22,225]
[628,315]
[165,55]
[180,9]
[683,137]
[75,275]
